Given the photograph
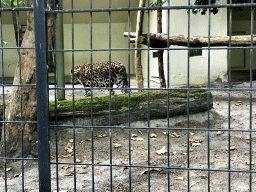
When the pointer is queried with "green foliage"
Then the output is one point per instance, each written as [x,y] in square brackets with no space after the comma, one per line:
[5,3]
[204,10]
[157,4]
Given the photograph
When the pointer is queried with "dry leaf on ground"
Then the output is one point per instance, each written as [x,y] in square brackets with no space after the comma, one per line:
[144,171]
[232,148]
[69,150]
[195,142]
[162,151]
[8,169]
[85,166]
[103,135]
[248,163]
[220,132]
[175,134]
[153,135]
[78,160]
[65,166]
[179,178]
[116,145]
[69,173]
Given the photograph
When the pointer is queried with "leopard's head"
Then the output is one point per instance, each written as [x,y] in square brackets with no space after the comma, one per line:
[77,73]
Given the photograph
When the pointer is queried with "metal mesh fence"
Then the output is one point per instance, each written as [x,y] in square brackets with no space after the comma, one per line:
[196,134]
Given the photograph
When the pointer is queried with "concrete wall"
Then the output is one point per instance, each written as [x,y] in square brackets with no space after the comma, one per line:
[178,59]
[100,40]
[10,56]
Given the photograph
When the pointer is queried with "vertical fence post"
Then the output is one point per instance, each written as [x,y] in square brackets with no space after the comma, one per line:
[42,95]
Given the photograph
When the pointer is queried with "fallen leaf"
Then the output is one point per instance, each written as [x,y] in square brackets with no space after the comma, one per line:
[65,166]
[71,140]
[140,132]
[232,148]
[97,162]
[69,173]
[16,175]
[116,145]
[153,135]
[8,169]
[140,139]
[165,133]
[125,162]
[144,171]
[179,178]
[103,135]
[248,163]
[78,160]
[195,142]
[162,151]
[204,176]
[69,149]
[220,132]
[85,166]
[176,135]
[35,179]
[191,133]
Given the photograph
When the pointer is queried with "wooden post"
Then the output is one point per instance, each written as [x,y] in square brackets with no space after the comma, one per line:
[138,66]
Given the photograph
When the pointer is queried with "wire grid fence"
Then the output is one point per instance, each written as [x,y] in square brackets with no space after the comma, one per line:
[83,152]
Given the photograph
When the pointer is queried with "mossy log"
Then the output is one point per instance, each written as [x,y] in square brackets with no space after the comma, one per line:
[157,106]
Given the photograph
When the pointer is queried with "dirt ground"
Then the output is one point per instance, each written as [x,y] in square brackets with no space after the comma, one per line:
[195,148]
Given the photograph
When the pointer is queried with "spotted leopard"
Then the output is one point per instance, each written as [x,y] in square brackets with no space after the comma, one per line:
[100,75]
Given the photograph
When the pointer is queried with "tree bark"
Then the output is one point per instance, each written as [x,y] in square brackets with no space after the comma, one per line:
[17,26]
[138,66]
[160,52]
[159,40]
[16,137]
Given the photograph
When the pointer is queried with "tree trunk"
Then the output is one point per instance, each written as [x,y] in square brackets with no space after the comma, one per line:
[159,40]
[160,52]
[17,26]
[16,137]
[138,66]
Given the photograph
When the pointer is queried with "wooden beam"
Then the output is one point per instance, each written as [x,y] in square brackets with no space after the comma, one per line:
[159,40]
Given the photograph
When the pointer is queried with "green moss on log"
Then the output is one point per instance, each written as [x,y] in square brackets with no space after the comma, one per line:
[101,103]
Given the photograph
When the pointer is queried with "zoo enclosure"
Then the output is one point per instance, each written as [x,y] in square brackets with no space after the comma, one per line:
[44,126]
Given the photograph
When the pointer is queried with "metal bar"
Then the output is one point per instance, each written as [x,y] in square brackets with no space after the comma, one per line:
[153,49]
[251,79]
[60,68]
[42,95]
[208,97]
[148,98]
[188,111]
[229,102]
[160,128]
[129,96]
[74,122]
[153,8]
[167,168]
[92,127]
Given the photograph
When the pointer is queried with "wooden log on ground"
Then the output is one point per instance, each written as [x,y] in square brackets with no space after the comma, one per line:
[158,110]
